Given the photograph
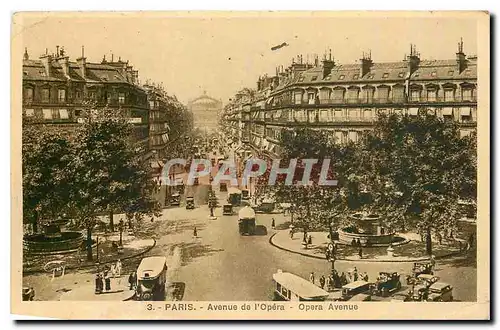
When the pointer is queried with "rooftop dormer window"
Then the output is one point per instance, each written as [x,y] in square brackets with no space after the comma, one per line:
[433,73]
[385,75]
[416,74]
[401,74]
[341,77]
[328,77]
[314,78]
[355,77]
[450,73]
[370,76]
[301,79]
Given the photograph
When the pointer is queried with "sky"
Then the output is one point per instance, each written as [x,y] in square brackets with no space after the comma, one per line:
[220,54]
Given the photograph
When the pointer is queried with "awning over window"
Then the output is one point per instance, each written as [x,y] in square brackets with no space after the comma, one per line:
[413,111]
[447,111]
[63,113]
[465,112]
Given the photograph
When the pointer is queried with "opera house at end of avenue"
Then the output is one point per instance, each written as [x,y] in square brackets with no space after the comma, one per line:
[206,111]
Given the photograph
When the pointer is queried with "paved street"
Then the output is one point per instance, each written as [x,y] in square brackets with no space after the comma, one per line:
[222,265]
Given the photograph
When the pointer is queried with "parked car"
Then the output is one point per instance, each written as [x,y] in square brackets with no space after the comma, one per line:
[386,283]
[420,288]
[440,291]
[418,269]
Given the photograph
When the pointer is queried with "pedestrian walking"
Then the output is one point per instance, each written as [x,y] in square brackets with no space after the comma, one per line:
[353,242]
[107,281]
[365,277]
[343,279]
[439,238]
[358,242]
[360,252]
[195,233]
[355,274]
[305,236]
[328,283]
[112,270]
[311,277]
[322,281]
[433,263]
[309,239]
[132,280]
[460,246]
[471,240]
[118,268]
[273,224]
[291,233]
[98,283]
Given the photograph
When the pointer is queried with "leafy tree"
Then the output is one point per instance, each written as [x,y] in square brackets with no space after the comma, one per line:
[108,174]
[417,167]
[46,156]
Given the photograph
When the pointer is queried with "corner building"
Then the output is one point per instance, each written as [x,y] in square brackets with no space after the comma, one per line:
[345,99]
[57,91]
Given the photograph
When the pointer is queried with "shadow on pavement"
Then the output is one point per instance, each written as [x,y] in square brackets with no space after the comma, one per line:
[260,230]
[191,251]
[467,260]
[175,291]
[284,225]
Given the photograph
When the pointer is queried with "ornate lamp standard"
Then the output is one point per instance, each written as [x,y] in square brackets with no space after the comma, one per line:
[120,228]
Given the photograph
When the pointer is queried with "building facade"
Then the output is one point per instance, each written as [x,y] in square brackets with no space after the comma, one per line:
[206,111]
[345,99]
[57,91]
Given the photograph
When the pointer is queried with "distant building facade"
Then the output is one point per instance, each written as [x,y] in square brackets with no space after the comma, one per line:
[346,99]
[206,111]
[56,91]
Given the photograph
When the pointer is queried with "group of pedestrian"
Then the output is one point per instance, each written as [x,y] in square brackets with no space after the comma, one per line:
[104,276]
[336,280]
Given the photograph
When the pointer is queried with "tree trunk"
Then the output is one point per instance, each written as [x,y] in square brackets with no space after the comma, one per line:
[428,241]
[111,224]
[89,244]
[35,223]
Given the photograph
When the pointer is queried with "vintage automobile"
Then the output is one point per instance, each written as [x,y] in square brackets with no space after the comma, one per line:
[152,279]
[266,206]
[291,287]
[246,221]
[175,199]
[353,289]
[245,194]
[400,297]
[386,284]
[28,293]
[440,291]
[420,288]
[189,203]
[234,196]
[227,209]
[418,269]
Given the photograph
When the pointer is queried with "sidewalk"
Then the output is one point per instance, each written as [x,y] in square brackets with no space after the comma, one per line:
[281,240]
[132,247]
[86,292]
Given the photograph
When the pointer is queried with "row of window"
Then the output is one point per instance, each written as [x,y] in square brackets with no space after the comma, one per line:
[340,136]
[463,114]
[62,97]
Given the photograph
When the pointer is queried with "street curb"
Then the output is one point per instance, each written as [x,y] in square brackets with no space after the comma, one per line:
[149,248]
[365,260]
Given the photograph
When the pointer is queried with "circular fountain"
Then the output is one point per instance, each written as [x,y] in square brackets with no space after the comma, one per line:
[53,240]
[369,231]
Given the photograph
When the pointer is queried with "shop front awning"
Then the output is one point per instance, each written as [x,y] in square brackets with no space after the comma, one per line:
[447,111]
[465,112]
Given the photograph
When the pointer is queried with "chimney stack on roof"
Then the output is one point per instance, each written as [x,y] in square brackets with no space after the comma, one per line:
[328,64]
[26,57]
[82,63]
[366,63]
[47,63]
[461,58]
[413,60]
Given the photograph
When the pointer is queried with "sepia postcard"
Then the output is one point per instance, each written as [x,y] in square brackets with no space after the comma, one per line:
[250,165]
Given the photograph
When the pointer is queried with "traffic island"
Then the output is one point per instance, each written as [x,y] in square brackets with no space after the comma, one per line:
[407,251]
[107,251]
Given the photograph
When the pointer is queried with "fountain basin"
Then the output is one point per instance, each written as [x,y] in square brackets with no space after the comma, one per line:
[42,243]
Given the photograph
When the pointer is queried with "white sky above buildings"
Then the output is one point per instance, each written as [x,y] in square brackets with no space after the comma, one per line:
[222,55]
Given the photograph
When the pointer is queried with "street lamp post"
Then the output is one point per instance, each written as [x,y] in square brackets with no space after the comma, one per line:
[120,228]
[331,255]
